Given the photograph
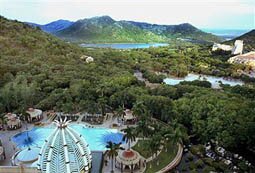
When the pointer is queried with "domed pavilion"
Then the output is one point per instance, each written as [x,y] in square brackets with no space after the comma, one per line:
[13,122]
[34,115]
[129,160]
[64,151]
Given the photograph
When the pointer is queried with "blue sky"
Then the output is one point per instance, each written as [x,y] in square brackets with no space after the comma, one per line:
[225,14]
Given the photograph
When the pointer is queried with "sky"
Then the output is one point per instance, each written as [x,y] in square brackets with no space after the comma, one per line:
[219,14]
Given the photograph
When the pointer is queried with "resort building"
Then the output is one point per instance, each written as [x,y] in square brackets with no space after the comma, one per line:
[34,115]
[129,118]
[13,122]
[89,59]
[86,58]
[129,160]
[64,151]
[247,59]
[236,49]
[217,46]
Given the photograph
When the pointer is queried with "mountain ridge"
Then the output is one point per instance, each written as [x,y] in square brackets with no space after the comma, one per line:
[54,26]
[104,29]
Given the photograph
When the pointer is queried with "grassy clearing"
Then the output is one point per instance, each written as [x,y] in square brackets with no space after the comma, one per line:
[142,147]
[163,159]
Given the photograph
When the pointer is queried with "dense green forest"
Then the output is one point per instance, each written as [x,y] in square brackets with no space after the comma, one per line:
[39,70]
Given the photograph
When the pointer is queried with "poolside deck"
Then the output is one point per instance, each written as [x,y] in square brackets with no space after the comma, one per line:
[11,148]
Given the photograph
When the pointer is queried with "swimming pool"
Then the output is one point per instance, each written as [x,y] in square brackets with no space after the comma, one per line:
[95,137]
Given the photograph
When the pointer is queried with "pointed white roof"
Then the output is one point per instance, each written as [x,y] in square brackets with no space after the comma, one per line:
[64,151]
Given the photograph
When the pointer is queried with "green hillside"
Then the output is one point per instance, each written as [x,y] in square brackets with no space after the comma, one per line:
[248,39]
[38,69]
[106,30]
[185,31]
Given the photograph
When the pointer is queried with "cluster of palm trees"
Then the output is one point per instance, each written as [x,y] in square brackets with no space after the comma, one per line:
[156,135]
[113,148]
[112,151]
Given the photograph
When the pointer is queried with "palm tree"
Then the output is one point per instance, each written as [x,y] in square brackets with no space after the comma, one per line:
[120,112]
[112,151]
[102,103]
[154,145]
[129,135]
[142,128]
[167,133]
[178,135]
[140,109]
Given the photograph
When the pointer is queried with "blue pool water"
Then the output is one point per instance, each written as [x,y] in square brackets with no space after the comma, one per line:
[124,45]
[95,137]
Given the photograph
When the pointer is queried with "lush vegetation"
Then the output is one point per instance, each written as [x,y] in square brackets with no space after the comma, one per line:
[163,159]
[106,30]
[39,70]
[142,147]
[112,152]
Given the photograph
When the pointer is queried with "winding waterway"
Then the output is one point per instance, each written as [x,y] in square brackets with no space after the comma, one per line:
[214,80]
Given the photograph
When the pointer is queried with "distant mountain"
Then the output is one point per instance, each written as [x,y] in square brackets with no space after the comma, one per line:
[53,27]
[226,34]
[106,30]
[248,39]
[185,31]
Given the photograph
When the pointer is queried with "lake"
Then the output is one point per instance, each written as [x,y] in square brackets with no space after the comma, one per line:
[215,81]
[123,45]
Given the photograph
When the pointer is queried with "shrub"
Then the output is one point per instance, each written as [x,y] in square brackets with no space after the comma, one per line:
[208,161]
[199,163]
[198,150]
[208,169]
[192,166]
[199,83]
[193,171]
[184,169]
[190,156]
[153,78]
[243,166]
[220,166]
